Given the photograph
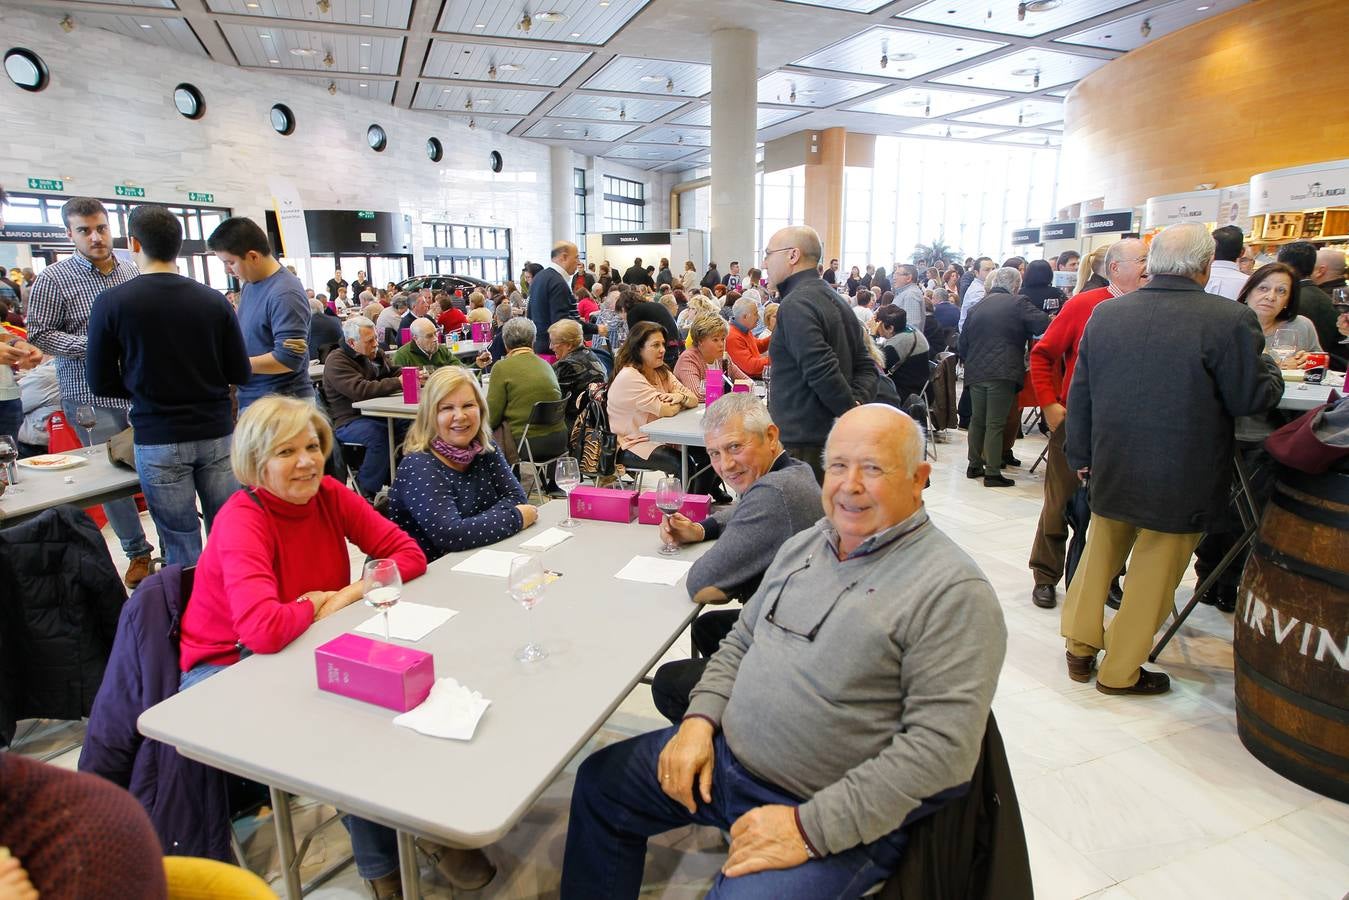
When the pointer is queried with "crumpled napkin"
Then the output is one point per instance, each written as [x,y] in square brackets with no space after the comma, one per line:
[449,711]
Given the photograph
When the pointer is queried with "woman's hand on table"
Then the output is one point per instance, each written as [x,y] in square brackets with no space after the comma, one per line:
[319,599]
[1296,361]
[530,514]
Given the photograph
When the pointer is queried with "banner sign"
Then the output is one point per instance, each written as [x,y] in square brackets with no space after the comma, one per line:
[289,219]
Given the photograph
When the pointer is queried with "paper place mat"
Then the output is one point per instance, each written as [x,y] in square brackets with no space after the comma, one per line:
[408,621]
[546,540]
[449,711]
[654,570]
[496,563]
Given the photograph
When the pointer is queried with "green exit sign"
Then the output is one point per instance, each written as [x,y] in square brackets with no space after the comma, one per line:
[195,197]
[364,214]
[46,184]
[122,190]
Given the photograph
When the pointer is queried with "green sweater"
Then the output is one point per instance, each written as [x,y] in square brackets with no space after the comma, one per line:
[411,355]
[519,381]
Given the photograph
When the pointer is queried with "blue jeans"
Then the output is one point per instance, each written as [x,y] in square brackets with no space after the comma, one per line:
[373,433]
[617,803]
[11,417]
[123,515]
[173,476]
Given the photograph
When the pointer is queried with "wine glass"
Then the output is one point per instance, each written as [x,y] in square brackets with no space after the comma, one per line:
[1340,300]
[87,418]
[669,495]
[1282,344]
[567,474]
[9,453]
[525,584]
[383,587]
[767,381]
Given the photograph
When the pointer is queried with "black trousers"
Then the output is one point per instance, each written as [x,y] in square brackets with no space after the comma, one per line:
[1224,530]
[673,681]
[665,458]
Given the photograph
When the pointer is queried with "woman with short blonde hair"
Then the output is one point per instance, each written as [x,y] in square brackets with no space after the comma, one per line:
[707,348]
[257,435]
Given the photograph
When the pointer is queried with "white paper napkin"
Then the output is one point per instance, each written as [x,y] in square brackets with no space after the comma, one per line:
[654,570]
[408,621]
[546,540]
[449,711]
[496,563]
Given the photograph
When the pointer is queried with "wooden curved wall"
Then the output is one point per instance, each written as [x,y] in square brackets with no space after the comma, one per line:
[1259,88]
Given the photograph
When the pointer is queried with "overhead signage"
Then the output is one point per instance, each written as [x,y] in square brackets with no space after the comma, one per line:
[1022,236]
[641,238]
[15,233]
[1058,231]
[1304,187]
[1113,221]
[46,184]
[1234,206]
[290,224]
[195,197]
[365,214]
[122,190]
[1190,206]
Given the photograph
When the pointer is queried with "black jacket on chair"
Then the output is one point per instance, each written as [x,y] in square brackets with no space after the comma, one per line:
[58,616]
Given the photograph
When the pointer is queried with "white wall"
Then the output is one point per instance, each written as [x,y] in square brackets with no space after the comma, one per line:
[108,117]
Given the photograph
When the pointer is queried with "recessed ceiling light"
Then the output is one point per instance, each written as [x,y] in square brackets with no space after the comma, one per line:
[550,16]
[480,25]
[365,43]
[365,68]
[147,26]
[510,67]
[653,79]
[302,51]
[363,84]
[366,16]
[251,5]
[576,34]
[275,62]
[265,35]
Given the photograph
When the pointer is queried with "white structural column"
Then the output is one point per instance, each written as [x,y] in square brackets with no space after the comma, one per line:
[735,86]
[560,165]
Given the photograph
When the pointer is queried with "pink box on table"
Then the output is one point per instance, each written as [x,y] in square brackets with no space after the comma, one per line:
[482,332]
[387,675]
[603,504]
[715,386]
[404,335]
[411,388]
[742,387]
[694,507]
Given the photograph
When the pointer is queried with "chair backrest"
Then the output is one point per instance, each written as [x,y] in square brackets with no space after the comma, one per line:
[547,412]
[606,358]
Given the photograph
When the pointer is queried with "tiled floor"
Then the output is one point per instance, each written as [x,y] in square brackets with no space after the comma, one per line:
[1123,798]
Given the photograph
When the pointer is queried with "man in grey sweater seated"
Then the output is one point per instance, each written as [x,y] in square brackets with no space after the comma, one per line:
[778,497]
[849,699]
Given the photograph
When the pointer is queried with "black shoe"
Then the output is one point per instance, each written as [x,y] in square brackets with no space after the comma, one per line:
[1147,683]
[1044,596]
[1116,594]
[997,481]
[974,472]
[1226,599]
[1009,460]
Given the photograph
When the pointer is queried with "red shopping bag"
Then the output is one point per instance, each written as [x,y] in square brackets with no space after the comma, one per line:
[62,438]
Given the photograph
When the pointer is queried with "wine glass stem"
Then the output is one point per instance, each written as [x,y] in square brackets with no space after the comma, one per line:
[386,626]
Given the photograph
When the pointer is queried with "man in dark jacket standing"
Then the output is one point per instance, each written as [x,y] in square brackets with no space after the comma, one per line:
[711,278]
[551,299]
[1161,375]
[821,367]
[636,274]
[993,346]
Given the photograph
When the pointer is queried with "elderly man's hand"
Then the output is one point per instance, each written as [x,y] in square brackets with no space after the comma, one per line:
[766,837]
[483,360]
[677,529]
[686,758]
[1343,324]
[1054,414]
[296,345]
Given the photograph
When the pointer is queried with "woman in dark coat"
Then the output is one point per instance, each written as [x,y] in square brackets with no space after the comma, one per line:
[1038,287]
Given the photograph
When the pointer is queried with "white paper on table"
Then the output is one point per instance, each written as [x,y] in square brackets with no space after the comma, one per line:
[654,570]
[408,621]
[449,711]
[496,563]
[546,540]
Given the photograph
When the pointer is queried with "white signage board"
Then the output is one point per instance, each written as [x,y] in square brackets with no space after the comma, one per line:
[1303,187]
[289,219]
[1190,206]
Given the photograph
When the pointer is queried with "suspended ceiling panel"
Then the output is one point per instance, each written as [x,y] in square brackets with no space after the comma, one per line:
[379,13]
[922,102]
[163,32]
[687,137]
[766,117]
[811,91]
[353,87]
[486,122]
[963,132]
[513,64]
[285,48]
[652,76]
[580,131]
[1030,139]
[907,54]
[1000,16]
[1022,113]
[1018,71]
[618,109]
[1130,32]
[486,101]
[648,153]
[574,21]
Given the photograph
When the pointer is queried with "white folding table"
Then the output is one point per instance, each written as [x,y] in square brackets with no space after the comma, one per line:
[94,481]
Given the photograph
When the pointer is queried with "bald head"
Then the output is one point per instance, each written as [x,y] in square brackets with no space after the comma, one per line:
[874,473]
[1329,266]
[565,255]
[1125,262]
[791,250]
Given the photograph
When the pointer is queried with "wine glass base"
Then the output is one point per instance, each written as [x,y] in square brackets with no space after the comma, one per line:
[669,550]
[531,653]
[568,522]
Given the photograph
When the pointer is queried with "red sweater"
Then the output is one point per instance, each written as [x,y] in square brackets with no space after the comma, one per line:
[747,351]
[452,319]
[1057,351]
[259,558]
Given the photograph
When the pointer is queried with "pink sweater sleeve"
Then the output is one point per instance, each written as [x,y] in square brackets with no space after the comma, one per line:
[264,621]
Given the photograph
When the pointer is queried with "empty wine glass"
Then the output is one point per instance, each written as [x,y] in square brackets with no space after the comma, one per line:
[767,381]
[87,418]
[383,587]
[525,583]
[567,474]
[9,453]
[669,496]
[1340,299]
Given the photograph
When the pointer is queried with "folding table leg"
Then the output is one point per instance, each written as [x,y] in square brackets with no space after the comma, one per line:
[407,866]
[393,469]
[285,844]
[684,465]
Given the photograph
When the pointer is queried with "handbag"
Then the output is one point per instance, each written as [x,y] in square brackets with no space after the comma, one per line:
[591,440]
[122,449]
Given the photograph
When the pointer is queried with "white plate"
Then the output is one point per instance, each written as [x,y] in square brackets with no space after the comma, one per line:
[51,462]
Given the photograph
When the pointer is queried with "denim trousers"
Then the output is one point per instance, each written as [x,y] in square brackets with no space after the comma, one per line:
[123,515]
[617,803]
[173,476]
[374,847]
[373,434]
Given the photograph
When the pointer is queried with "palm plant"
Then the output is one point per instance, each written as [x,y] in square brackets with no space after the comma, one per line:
[938,249]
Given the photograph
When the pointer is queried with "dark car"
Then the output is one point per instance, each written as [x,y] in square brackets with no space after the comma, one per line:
[448,283]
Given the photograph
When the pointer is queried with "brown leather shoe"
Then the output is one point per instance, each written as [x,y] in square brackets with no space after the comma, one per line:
[1079,667]
[138,571]
[389,887]
[466,870]
[1147,683]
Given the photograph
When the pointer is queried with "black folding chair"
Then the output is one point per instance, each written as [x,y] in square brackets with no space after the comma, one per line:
[545,414]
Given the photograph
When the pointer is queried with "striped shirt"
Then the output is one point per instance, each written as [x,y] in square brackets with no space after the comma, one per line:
[58,321]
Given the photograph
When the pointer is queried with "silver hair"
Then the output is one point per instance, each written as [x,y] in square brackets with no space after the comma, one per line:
[503,312]
[1007,278]
[742,306]
[518,332]
[316,305]
[422,325]
[752,414]
[399,302]
[1184,249]
[351,328]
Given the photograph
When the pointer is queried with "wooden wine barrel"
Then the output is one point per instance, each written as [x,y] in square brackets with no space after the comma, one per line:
[1291,635]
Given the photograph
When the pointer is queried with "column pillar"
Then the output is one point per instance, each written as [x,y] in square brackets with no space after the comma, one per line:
[561,193]
[735,88]
[824,192]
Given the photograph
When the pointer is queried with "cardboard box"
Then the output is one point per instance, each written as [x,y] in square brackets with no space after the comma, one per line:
[695,507]
[715,386]
[387,675]
[411,389]
[482,332]
[603,504]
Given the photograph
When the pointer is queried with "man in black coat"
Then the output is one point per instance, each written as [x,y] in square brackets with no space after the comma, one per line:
[637,274]
[820,363]
[1161,375]
[551,298]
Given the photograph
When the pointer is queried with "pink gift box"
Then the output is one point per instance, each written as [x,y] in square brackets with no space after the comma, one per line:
[715,386]
[387,675]
[603,504]
[411,390]
[482,332]
[742,387]
[404,335]
[695,507]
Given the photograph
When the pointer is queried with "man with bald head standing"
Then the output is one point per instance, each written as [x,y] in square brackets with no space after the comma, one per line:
[849,699]
[821,367]
[551,298]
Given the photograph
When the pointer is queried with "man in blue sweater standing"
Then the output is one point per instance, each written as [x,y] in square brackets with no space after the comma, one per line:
[273,313]
[172,347]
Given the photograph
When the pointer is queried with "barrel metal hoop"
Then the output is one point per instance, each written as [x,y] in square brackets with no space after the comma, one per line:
[1315,754]
[1299,566]
[1332,486]
[1305,510]
[1337,714]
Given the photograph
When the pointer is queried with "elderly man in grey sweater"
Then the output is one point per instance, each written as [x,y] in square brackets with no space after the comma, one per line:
[849,699]
[779,497]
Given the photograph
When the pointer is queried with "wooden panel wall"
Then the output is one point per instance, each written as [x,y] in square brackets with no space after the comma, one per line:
[1256,89]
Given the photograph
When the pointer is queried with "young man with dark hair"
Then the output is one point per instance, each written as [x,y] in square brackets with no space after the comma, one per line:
[1068,261]
[59,307]
[1225,279]
[172,347]
[273,312]
[1313,302]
